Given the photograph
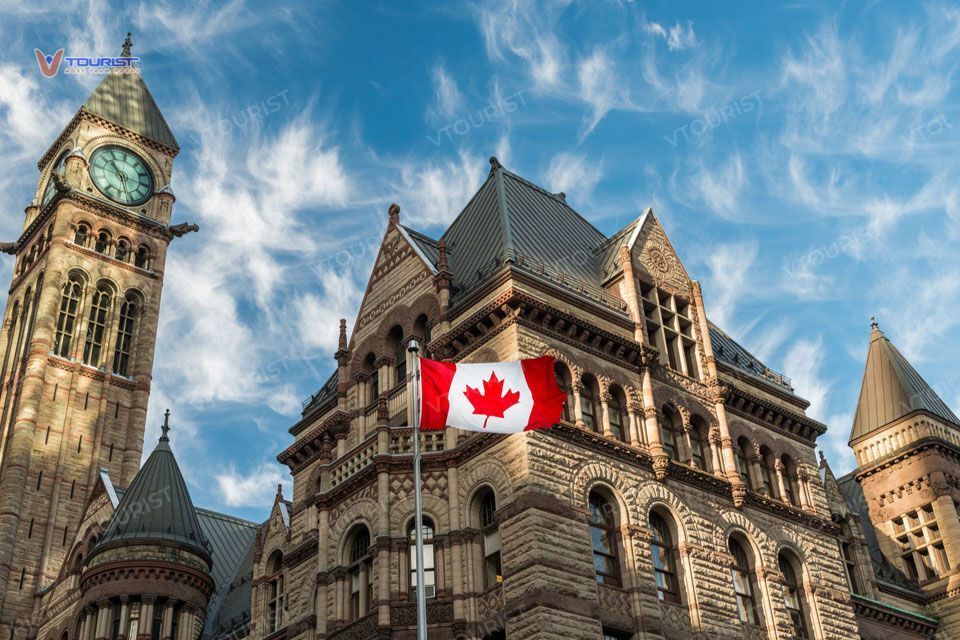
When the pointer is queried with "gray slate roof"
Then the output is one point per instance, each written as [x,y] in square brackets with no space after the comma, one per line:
[731,352]
[157,507]
[511,219]
[234,610]
[892,389]
[125,100]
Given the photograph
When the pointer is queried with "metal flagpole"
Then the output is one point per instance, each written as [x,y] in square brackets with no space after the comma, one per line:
[414,348]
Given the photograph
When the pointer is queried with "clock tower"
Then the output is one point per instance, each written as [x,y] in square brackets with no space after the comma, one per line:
[78,333]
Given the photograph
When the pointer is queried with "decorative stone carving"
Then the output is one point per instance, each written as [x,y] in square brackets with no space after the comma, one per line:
[661,465]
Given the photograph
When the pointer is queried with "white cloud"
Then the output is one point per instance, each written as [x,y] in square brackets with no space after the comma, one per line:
[517,28]
[318,315]
[252,487]
[802,364]
[677,37]
[435,192]
[573,174]
[730,266]
[720,188]
[599,88]
[29,121]
[447,99]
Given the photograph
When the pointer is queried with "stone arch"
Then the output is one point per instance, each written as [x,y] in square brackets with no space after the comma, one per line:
[575,370]
[490,472]
[730,521]
[436,508]
[651,493]
[363,511]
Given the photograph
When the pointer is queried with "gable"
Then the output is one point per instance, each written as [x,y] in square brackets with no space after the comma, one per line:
[656,259]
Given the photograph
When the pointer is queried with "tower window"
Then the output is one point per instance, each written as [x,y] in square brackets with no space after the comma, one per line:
[669,324]
[96,326]
[917,535]
[121,354]
[142,257]
[123,250]
[485,510]
[67,318]
[102,243]
[81,235]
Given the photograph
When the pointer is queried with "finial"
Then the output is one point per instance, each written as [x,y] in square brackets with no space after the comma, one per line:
[343,334]
[394,214]
[494,164]
[873,323]
[442,260]
[280,490]
[562,196]
[166,427]
[127,46]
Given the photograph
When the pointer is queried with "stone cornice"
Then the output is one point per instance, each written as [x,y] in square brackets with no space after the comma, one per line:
[915,447]
[892,617]
[310,447]
[773,416]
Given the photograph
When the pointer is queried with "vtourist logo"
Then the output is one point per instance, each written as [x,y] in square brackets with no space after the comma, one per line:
[50,64]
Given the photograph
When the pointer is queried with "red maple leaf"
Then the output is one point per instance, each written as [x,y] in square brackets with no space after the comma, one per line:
[493,401]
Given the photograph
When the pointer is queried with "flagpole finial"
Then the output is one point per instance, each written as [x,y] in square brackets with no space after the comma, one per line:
[413,346]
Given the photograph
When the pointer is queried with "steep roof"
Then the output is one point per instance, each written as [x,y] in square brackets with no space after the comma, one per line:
[512,220]
[123,98]
[892,389]
[731,352]
[231,542]
[157,506]
[237,596]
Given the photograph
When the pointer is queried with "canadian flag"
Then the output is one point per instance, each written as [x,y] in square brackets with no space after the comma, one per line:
[499,397]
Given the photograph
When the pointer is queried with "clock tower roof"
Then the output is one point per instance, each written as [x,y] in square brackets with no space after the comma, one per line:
[124,99]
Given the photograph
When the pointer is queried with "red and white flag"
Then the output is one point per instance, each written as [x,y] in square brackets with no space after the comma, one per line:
[499,397]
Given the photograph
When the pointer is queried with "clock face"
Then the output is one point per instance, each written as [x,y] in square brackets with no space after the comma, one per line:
[121,175]
[51,187]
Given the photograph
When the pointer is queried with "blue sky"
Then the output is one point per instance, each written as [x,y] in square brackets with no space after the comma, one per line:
[802,158]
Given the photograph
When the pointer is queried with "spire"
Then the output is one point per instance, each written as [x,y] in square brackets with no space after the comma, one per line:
[156,508]
[123,99]
[127,46]
[393,214]
[892,389]
[166,427]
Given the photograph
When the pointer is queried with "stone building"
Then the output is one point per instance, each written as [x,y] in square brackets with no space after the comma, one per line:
[679,497]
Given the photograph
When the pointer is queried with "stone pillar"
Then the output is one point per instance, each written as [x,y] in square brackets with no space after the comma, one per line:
[341,595]
[755,461]
[685,443]
[714,438]
[945,512]
[124,617]
[781,480]
[605,413]
[103,615]
[634,418]
[83,626]
[166,626]
[652,427]
[456,543]
[806,495]
[146,617]
[576,386]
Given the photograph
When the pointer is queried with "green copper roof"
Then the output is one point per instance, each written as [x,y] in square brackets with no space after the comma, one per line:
[157,506]
[125,100]
[892,389]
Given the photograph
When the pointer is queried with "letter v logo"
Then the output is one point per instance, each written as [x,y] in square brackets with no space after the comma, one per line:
[49,65]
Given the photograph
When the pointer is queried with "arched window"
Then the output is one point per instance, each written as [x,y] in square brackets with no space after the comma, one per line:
[485,511]
[396,343]
[743,466]
[67,317]
[700,443]
[588,402]
[744,582]
[121,352]
[142,257]
[664,551]
[96,326]
[81,235]
[102,243]
[123,250]
[616,408]
[429,569]
[565,382]
[421,331]
[792,597]
[275,592]
[846,550]
[670,432]
[789,480]
[360,572]
[605,538]
[766,473]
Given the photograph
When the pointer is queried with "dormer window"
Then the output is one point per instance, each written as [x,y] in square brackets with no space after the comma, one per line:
[669,324]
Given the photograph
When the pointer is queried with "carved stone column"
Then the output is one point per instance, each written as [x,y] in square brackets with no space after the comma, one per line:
[685,443]
[605,413]
[146,617]
[166,625]
[661,462]
[577,387]
[779,468]
[714,437]
[757,473]
[103,612]
[806,496]
[636,410]
[124,618]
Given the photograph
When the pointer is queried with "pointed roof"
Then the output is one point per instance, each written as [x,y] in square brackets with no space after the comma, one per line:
[892,389]
[123,98]
[157,506]
[512,220]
